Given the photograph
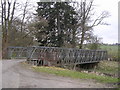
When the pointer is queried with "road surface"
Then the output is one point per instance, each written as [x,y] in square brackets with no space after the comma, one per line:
[14,75]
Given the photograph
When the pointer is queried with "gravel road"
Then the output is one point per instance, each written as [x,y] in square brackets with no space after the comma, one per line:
[14,75]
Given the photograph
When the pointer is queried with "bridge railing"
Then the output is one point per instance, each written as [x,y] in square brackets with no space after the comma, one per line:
[17,52]
[57,55]
[66,55]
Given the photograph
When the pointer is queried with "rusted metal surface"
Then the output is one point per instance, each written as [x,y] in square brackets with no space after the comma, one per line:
[58,56]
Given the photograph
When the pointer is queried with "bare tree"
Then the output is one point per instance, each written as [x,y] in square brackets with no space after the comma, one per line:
[8,17]
[24,14]
[85,15]
[25,17]
[94,42]
[6,20]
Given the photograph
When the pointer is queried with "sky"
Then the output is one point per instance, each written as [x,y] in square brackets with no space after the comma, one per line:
[108,33]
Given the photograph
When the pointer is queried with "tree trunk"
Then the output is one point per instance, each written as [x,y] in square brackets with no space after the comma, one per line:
[83,27]
[74,38]
[6,25]
[59,31]
[82,39]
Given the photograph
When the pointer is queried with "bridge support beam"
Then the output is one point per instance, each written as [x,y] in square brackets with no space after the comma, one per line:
[87,66]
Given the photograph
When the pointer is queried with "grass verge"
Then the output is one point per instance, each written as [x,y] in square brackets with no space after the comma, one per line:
[75,74]
[110,67]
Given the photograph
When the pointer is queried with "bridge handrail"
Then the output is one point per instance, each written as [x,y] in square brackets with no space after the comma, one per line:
[60,55]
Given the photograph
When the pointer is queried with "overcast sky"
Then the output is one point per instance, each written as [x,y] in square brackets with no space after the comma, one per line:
[108,33]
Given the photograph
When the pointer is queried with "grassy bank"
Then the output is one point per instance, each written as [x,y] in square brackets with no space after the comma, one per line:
[75,74]
[110,67]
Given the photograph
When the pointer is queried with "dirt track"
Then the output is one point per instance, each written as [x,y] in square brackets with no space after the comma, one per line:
[14,75]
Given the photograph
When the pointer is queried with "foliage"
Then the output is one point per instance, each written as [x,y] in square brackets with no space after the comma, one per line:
[14,27]
[69,23]
[61,23]
[94,43]
[37,28]
[58,24]
[18,39]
